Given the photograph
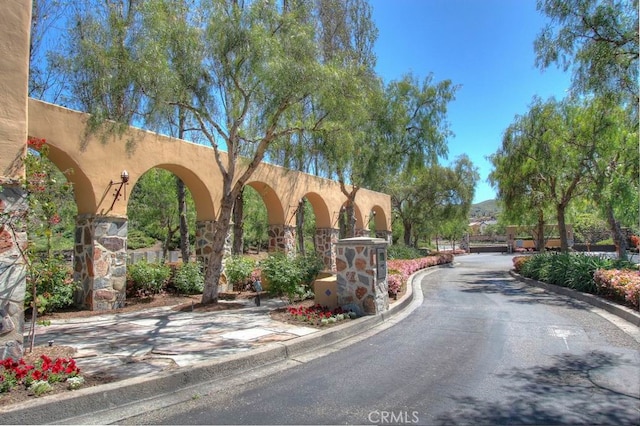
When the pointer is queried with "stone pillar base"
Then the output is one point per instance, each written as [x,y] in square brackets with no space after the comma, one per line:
[100,262]
[13,269]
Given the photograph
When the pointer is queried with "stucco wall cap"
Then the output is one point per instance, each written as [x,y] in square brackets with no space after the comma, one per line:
[363,240]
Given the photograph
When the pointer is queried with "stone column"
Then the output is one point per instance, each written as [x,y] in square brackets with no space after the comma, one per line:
[100,262]
[362,232]
[282,238]
[15,24]
[326,239]
[13,269]
[362,286]
[385,235]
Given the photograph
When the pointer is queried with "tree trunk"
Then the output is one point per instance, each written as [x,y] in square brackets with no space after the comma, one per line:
[562,228]
[238,225]
[407,232]
[619,239]
[185,250]
[300,226]
[214,268]
[540,240]
[182,215]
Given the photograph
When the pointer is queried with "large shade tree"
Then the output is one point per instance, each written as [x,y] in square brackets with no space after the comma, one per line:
[249,66]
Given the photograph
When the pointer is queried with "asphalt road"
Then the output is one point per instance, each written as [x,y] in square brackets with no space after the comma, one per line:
[482,348]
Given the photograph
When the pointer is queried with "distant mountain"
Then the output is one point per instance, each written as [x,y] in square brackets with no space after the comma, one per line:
[485,209]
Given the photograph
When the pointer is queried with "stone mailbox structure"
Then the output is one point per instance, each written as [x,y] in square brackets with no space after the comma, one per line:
[361,265]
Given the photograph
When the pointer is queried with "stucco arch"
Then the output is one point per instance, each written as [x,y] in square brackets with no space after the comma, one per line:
[320,209]
[82,188]
[204,203]
[380,219]
[275,210]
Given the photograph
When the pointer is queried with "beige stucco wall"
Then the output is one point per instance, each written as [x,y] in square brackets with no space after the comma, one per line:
[94,163]
[15,18]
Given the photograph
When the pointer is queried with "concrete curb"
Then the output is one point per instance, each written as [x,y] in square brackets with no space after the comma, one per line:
[60,407]
[623,312]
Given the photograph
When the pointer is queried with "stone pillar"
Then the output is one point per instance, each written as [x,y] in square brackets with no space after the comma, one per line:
[385,235]
[326,239]
[362,286]
[362,232]
[15,24]
[205,232]
[13,269]
[282,238]
[100,262]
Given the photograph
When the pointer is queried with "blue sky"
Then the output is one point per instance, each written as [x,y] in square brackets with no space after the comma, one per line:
[486,46]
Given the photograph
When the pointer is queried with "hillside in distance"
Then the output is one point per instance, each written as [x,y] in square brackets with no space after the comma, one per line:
[485,210]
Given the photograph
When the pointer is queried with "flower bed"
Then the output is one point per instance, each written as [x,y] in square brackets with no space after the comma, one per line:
[40,376]
[620,284]
[399,270]
[318,315]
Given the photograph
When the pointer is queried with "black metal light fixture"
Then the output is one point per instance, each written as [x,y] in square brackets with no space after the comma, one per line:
[124,178]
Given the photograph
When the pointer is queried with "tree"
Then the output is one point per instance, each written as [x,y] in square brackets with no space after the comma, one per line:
[248,66]
[598,39]
[614,167]
[430,199]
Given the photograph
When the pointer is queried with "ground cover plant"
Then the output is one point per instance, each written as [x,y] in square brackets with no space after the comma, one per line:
[612,278]
[319,315]
[39,377]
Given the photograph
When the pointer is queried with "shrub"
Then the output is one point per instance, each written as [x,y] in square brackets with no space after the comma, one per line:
[54,285]
[399,271]
[137,239]
[310,265]
[283,275]
[398,251]
[148,278]
[238,270]
[518,261]
[574,271]
[188,278]
[622,285]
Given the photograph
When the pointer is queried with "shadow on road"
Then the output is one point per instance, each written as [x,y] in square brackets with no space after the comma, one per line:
[540,395]
[499,282]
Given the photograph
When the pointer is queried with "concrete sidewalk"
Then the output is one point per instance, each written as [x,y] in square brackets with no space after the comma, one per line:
[159,351]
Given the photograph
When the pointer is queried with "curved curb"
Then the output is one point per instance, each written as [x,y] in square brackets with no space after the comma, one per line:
[618,310]
[111,396]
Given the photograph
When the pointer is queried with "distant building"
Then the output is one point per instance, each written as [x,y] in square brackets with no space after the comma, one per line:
[478,227]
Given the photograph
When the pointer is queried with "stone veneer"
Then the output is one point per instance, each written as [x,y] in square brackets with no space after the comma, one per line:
[13,269]
[385,235]
[359,285]
[325,240]
[100,262]
[282,238]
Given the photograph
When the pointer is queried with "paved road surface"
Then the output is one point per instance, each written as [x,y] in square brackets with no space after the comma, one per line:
[482,348]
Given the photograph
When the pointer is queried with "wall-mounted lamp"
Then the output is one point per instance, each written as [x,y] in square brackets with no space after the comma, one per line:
[124,178]
[371,216]
[297,208]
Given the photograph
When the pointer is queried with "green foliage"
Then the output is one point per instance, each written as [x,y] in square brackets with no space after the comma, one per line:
[137,239]
[53,283]
[309,265]
[188,278]
[238,270]
[148,278]
[400,251]
[290,277]
[575,271]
